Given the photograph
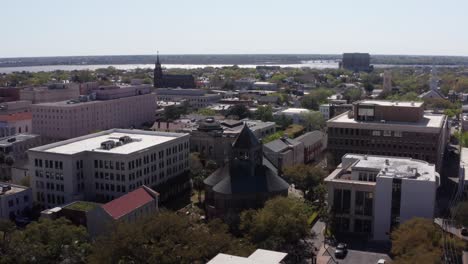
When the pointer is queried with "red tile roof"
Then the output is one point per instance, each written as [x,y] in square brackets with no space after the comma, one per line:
[16,117]
[129,202]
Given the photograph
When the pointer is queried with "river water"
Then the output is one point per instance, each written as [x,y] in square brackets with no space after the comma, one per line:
[323,64]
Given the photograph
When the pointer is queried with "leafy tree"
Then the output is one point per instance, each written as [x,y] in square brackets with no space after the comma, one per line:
[305,178]
[419,240]
[461,217]
[313,120]
[315,98]
[167,238]
[352,94]
[6,229]
[281,223]
[48,241]
[273,136]
[239,110]
[206,112]
[283,121]
[264,113]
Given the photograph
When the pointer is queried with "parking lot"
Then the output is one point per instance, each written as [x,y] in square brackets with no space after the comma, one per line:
[361,257]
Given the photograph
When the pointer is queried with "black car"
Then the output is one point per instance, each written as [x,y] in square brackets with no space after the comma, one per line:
[341,250]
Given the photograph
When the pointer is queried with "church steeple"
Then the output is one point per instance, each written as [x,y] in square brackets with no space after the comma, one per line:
[158,74]
[247,147]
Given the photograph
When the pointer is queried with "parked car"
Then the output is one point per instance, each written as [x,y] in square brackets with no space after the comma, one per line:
[381,261]
[341,250]
[464,231]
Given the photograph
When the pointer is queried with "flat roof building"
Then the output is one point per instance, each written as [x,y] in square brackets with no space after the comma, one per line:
[197,98]
[103,166]
[15,200]
[390,129]
[356,62]
[125,107]
[371,195]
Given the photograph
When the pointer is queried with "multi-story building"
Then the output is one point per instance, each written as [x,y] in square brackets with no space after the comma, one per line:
[109,108]
[161,80]
[15,200]
[284,152]
[265,86]
[197,98]
[106,165]
[388,128]
[18,145]
[296,114]
[315,142]
[12,124]
[14,107]
[51,93]
[372,195]
[332,109]
[356,62]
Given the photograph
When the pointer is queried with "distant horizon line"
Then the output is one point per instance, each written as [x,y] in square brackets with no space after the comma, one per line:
[231,54]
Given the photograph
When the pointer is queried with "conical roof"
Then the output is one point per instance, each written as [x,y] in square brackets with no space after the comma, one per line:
[246,139]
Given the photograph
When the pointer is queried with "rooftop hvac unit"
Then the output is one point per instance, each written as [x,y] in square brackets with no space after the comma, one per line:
[125,139]
[109,144]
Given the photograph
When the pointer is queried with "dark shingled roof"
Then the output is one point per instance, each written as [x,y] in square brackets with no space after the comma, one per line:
[238,180]
[246,139]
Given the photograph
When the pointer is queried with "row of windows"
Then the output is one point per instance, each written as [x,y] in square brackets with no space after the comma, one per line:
[49,175]
[11,202]
[50,186]
[51,198]
[110,187]
[49,164]
[381,144]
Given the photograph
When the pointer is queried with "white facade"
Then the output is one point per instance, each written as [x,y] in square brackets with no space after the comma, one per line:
[197,98]
[364,189]
[105,165]
[325,111]
[14,200]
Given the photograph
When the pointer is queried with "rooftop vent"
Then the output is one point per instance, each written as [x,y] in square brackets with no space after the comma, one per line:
[107,145]
[13,139]
[4,188]
[125,139]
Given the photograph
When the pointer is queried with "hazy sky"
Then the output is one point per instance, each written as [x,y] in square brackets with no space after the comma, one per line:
[114,27]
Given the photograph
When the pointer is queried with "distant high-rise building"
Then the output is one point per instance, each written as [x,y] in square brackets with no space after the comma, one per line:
[161,80]
[356,62]
[387,81]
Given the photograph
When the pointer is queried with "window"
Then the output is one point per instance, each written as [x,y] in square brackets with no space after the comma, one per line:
[387,133]
[397,133]
[375,133]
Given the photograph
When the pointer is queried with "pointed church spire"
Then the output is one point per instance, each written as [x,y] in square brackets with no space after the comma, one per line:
[157,58]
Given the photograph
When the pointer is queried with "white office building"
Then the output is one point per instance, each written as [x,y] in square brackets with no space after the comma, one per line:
[103,166]
[371,195]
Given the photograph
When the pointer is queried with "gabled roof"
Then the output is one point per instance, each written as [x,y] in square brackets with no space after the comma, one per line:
[281,144]
[246,139]
[129,202]
[311,138]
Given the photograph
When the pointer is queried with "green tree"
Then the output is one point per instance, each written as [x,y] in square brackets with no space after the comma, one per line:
[419,240]
[49,241]
[312,121]
[461,217]
[315,98]
[281,223]
[239,110]
[264,113]
[283,121]
[6,229]
[305,178]
[352,94]
[167,238]
[206,112]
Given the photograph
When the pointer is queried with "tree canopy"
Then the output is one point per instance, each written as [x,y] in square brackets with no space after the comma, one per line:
[305,178]
[264,113]
[46,241]
[239,110]
[419,240]
[281,223]
[168,238]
